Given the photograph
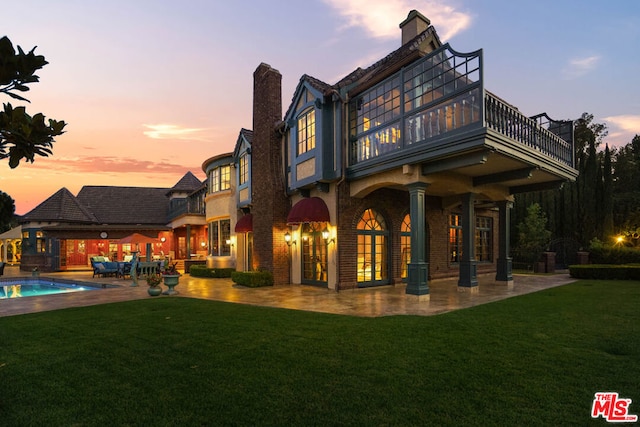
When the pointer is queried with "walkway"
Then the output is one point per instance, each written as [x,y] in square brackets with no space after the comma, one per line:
[371,302]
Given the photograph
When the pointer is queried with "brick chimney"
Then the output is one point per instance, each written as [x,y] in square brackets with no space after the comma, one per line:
[270,204]
[415,24]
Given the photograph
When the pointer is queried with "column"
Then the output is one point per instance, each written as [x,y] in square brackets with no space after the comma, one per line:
[504,274]
[188,242]
[418,269]
[468,269]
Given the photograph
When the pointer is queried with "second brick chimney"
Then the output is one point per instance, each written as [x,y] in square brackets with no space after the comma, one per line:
[415,24]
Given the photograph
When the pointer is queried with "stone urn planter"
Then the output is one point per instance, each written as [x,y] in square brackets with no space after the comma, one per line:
[154,285]
[154,291]
[171,281]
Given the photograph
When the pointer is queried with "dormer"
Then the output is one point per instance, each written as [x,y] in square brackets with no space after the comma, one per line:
[312,135]
[242,160]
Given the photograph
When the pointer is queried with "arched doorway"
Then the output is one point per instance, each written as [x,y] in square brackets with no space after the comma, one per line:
[314,255]
[372,251]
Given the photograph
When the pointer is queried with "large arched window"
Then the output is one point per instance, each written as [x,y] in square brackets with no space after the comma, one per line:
[372,249]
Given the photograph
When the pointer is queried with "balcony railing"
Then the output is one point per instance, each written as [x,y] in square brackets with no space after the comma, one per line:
[425,103]
[509,122]
[185,206]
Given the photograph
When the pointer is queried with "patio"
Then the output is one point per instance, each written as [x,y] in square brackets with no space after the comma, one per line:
[369,302]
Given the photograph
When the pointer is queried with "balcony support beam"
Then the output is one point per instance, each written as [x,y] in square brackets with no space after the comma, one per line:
[465,160]
[503,176]
[550,185]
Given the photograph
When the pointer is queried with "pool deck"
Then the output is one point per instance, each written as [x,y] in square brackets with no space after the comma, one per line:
[368,302]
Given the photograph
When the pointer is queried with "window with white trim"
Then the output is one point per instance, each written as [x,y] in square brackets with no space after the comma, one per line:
[307,131]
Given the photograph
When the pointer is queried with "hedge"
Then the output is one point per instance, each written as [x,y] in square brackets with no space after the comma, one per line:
[203,271]
[605,271]
[600,254]
[252,279]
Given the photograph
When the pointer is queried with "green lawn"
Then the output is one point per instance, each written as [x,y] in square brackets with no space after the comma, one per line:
[537,359]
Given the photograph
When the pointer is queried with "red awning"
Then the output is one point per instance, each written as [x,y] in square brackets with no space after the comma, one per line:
[244,224]
[312,209]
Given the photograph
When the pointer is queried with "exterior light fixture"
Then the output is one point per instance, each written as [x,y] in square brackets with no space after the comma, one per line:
[229,242]
[163,239]
[203,244]
[325,237]
[288,240]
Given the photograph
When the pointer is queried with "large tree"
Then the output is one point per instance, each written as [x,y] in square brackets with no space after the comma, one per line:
[23,136]
[7,211]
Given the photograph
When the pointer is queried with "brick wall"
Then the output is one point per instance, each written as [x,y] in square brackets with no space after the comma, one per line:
[270,205]
[393,205]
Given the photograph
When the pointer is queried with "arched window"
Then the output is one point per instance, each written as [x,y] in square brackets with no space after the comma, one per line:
[372,249]
[405,245]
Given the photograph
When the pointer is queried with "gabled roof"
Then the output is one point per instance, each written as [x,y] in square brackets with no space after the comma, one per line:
[247,134]
[61,206]
[421,45]
[244,135]
[306,80]
[125,205]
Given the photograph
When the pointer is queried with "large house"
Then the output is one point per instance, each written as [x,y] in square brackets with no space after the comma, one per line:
[401,171]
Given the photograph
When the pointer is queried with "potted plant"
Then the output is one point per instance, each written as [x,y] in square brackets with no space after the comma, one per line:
[153,280]
[171,279]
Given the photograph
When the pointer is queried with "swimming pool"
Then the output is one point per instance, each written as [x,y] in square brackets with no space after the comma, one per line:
[29,287]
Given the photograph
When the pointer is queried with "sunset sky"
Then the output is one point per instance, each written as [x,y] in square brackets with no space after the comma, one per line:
[152,88]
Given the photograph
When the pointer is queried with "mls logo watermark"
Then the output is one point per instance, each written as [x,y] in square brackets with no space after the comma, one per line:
[612,408]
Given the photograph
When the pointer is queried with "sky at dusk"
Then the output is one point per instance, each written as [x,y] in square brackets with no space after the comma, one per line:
[150,89]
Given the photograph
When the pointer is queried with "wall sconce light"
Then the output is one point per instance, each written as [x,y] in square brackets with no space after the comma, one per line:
[203,244]
[163,239]
[229,242]
[288,240]
[325,237]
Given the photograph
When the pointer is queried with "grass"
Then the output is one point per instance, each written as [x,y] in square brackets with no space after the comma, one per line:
[537,359]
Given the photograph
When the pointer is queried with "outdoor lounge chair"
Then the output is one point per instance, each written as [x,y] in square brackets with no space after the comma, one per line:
[124,269]
[103,267]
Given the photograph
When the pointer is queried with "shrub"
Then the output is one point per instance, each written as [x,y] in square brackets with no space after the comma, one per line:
[605,272]
[203,271]
[600,254]
[252,279]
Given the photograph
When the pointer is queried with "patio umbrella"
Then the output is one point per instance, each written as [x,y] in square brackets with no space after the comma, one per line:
[138,239]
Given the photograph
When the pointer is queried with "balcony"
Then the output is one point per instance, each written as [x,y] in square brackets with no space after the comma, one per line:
[187,206]
[550,137]
[436,113]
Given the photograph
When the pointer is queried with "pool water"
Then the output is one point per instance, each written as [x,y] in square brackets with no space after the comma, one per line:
[29,288]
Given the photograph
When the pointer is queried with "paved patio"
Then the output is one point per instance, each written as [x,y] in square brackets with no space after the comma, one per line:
[371,302]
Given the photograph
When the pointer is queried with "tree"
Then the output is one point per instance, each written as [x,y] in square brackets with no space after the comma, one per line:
[7,211]
[607,195]
[23,136]
[533,236]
